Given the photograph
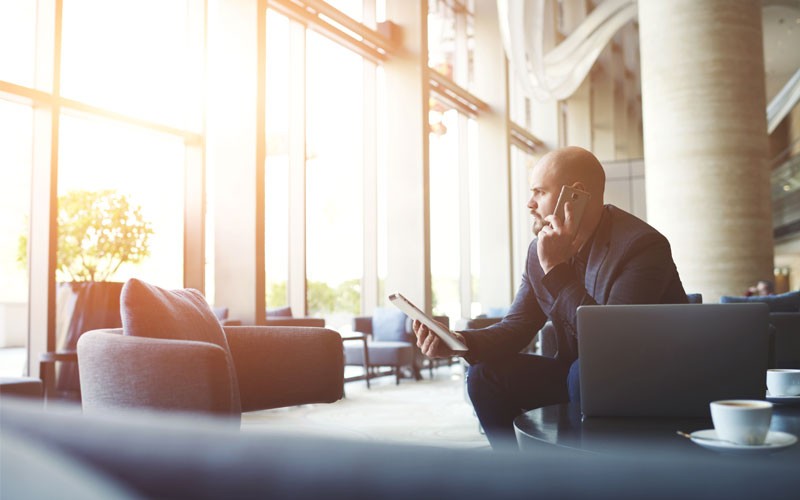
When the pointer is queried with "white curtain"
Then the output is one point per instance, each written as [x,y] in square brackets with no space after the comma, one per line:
[556,74]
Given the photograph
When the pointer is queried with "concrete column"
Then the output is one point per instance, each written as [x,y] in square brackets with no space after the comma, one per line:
[235,153]
[705,140]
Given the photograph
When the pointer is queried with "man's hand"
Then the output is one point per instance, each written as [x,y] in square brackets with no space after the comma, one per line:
[556,242]
[431,345]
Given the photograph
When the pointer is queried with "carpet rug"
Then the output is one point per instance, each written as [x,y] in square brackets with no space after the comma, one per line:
[433,412]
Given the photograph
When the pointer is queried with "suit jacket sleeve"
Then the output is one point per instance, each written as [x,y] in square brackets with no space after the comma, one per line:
[517,328]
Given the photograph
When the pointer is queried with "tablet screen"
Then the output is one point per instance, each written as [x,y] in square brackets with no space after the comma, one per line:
[414,312]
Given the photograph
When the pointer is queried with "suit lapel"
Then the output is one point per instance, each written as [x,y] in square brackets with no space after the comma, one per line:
[597,257]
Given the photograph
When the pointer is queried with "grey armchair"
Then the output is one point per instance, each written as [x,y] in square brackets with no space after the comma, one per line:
[386,339]
[122,371]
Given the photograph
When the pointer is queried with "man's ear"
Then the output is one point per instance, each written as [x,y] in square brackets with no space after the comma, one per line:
[579,185]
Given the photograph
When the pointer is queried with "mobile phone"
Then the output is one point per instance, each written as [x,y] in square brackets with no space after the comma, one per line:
[578,199]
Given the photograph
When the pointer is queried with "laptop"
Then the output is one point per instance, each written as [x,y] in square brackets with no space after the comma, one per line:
[670,360]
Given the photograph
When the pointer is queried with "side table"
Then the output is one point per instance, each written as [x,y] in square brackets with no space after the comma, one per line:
[47,368]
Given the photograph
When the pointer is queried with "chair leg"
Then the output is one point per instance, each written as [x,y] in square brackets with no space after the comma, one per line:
[416,372]
[366,362]
[397,375]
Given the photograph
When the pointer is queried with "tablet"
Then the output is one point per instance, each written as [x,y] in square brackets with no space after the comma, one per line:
[414,312]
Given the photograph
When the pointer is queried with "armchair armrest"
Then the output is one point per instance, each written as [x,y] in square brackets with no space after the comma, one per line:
[284,366]
[362,324]
[120,371]
[318,322]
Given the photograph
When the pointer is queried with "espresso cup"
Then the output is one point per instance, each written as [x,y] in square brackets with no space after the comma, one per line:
[783,382]
[742,421]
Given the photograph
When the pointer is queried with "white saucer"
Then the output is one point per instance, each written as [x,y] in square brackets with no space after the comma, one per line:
[790,400]
[776,440]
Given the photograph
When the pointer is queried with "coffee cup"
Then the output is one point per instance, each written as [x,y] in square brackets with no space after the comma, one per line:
[742,421]
[783,382]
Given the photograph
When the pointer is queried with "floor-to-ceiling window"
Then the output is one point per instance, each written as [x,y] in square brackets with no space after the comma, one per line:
[454,255]
[276,173]
[524,154]
[321,143]
[445,211]
[156,79]
[102,117]
[522,162]
[334,193]
[145,170]
[16,124]
[17,31]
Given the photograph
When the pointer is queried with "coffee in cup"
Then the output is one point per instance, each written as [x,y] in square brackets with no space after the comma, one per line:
[742,421]
[783,382]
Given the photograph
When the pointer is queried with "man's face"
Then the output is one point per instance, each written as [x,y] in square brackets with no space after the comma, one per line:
[545,188]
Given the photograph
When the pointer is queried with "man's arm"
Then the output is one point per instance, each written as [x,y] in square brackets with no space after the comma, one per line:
[517,328]
[643,272]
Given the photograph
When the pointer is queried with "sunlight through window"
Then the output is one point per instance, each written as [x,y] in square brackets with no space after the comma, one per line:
[16,123]
[132,57]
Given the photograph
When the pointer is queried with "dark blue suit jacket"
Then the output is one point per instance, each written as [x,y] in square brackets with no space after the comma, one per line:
[627,262]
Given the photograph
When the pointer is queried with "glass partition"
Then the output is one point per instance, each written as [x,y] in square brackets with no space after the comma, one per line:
[451,39]
[521,222]
[18,41]
[334,180]
[135,58]
[16,125]
[102,157]
[276,175]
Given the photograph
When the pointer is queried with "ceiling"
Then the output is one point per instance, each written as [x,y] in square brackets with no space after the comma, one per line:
[781,43]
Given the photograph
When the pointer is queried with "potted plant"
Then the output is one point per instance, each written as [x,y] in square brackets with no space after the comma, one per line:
[98,232]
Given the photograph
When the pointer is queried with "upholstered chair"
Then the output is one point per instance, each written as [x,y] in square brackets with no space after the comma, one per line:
[389,342]
[173,354]
[283,316]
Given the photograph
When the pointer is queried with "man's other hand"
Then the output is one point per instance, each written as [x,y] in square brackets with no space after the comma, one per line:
[430,344]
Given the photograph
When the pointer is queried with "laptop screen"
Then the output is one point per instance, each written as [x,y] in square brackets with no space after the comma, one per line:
[670,360]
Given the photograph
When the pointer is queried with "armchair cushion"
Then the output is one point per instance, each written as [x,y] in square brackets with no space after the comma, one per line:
[389,323]
[784,302]
[150,311]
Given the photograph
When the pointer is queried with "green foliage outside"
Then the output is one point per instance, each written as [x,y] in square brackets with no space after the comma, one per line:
[322,298]
[277,295]
[98,231]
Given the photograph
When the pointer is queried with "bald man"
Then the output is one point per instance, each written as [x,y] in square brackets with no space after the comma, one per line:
[608,257]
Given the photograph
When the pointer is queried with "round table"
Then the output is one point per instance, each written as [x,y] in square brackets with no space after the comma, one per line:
[561,428]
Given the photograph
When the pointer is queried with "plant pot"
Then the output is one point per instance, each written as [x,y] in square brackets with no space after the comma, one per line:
[82,306]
